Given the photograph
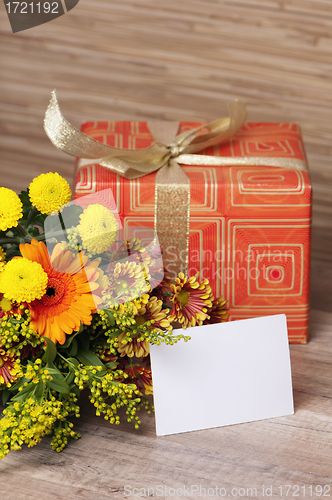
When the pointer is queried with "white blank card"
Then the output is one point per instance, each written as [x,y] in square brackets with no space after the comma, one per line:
[226,374]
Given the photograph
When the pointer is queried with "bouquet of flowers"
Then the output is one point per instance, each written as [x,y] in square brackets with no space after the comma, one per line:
[79,305]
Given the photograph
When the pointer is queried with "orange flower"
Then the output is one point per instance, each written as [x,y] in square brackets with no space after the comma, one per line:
[68,300]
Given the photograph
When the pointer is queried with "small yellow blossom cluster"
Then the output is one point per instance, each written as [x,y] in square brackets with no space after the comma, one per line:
[34,410]
[27,422]
[73,243]
[131,336]
[16,330]
[34,373]
[64,429]
[106,386]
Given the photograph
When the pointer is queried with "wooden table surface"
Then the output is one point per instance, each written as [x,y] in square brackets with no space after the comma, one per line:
[185,59]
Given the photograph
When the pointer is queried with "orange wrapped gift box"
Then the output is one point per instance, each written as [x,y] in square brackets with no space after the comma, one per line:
[249,225]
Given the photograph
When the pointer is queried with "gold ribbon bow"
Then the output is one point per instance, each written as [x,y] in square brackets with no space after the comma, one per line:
[172,200]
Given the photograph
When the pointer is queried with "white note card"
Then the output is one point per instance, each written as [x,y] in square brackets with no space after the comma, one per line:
[228,373]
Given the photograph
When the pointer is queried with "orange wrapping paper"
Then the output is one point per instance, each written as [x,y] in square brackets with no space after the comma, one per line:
[249,226]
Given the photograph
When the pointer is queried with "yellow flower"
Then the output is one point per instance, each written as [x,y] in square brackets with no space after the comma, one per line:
[153,316]
[218,312]
[98,228]
[2,258]
[130,347]
[9,367]
[23,280]
[191,301]
[49,192]
[10,209]
[153,312]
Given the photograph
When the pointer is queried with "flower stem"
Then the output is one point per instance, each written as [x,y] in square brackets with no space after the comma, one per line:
[4,241]
[30,216]
[22,232]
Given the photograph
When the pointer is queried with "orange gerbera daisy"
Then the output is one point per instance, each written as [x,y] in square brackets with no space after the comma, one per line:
[68,300]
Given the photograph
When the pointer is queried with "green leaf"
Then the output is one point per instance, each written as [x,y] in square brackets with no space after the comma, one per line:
[52,224]
[18,384]
[74,347]
[50,353]
[71,337]
[58,386]
[24,197]
[40,219]
[84,340]
[57,375]
[111,364]
[54,371]
[33,231]
[23,394]
[76,391]
[116,333]
[5,395]
[74,361]
[89,358]
[70,377]
[39,391]
[110,317]
[71,215]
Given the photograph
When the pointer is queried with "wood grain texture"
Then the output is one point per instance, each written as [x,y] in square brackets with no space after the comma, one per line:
[181,60]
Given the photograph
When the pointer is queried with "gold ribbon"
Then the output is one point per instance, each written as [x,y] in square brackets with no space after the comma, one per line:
[172,199]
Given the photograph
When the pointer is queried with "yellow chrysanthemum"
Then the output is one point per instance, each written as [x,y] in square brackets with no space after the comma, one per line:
[23,280]
[10,209]
[49,192]
[2,258]
[98,228]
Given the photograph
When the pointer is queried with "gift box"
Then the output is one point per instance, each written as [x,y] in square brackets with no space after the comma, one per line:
[249,226]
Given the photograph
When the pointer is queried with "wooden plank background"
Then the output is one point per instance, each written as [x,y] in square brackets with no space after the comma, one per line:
[185,59]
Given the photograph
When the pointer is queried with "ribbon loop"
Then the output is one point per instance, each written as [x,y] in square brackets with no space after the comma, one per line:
[133,163]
